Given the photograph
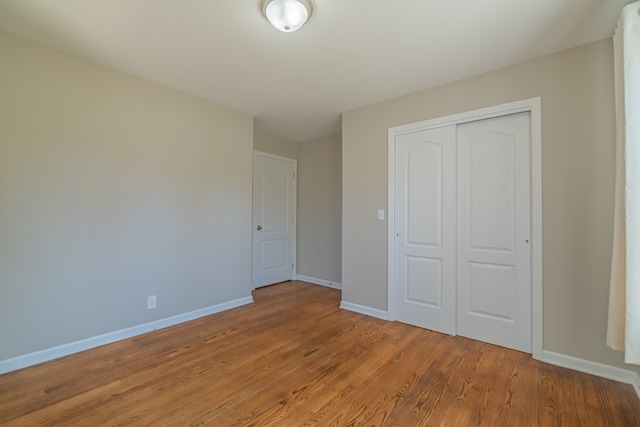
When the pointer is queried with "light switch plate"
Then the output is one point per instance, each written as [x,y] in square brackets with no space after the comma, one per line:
[380,214]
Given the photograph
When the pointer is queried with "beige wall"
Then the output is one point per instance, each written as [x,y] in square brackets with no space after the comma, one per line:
[113,189]
[320,209]
[576,87]
[274,145]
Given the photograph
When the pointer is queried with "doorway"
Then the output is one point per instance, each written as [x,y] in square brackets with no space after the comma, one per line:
[274,219]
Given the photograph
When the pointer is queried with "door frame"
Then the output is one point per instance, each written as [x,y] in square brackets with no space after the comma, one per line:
[294,201]
[531,105]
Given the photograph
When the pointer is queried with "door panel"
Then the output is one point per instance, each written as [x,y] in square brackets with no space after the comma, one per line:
[492,289]
[494,276]
[276,177]
[424,281]
[273,220]
[423,170]
[424,228]
[491,181]
[274,254]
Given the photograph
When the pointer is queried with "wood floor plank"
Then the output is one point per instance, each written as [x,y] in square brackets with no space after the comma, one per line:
[293,358]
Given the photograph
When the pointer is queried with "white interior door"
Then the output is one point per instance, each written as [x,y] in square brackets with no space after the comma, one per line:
[425,228]
[494,251]
[273,219]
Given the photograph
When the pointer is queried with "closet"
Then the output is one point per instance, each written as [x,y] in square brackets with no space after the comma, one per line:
[461,228]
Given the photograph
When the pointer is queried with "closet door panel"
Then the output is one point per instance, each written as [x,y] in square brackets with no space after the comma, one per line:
[494,259]
[425,229]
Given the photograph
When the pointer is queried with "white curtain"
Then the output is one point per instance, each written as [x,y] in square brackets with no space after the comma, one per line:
[623,331]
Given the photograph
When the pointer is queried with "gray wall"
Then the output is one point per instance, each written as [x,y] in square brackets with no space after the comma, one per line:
[113,189]
[320,209]
[578,151]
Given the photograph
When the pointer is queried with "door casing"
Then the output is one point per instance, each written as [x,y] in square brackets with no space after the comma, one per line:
[533,106]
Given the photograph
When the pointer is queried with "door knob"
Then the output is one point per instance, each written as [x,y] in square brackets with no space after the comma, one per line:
[259,228]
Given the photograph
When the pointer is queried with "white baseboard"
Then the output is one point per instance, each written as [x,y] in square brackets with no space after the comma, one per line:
[373,312]
[45,355]
[594,368]
[581,365]
[320,282]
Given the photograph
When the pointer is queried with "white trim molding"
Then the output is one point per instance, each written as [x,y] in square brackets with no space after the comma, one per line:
[48,354]
[321,282]
[593,368]
[368,311]
[534,107]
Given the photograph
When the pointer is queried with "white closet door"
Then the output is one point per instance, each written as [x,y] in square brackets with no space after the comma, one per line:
[425,229]
[494,253]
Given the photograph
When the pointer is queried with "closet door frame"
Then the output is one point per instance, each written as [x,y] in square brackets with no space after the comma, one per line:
[531,105]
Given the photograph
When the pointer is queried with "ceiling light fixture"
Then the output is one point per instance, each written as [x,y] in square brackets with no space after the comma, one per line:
[288,15]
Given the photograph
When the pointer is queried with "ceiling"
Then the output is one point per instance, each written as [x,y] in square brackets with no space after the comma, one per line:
[351,53]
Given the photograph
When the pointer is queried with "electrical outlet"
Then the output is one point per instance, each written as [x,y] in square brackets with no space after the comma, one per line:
[152,302]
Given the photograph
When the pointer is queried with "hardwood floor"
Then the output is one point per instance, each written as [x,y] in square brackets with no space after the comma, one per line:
[293,358]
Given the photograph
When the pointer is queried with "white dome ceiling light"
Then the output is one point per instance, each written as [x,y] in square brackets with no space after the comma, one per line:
[288,15]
